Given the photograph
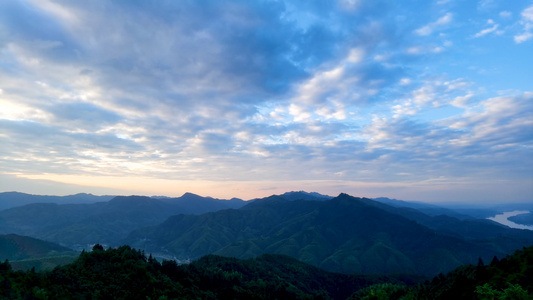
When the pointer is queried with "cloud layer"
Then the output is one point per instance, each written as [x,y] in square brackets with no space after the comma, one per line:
[342,96]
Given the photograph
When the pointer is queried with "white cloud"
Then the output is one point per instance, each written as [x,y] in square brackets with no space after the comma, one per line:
[527,26]
[487,31]
[432,94]
[57,10]
[461,101]
[322,82]
[505,14]
[299,113]
[429,28]
[334,110]
[254,94]
[405,81]
[496,121]
[425,30]
[421,50]
[356,55]
[415,50]
[18,111]
[327,92]
[381,57]
[350,5]
[527,14]
[523,37]
[437,49]
[447,18]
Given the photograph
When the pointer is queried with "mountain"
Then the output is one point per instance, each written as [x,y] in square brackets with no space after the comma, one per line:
[345,234]
[524,219]
[508,278]
[16,247]
[80,225]
[13,199]
[484,231]
[426,208]
[193,204]
[487,210]
[126,273]
[301,195]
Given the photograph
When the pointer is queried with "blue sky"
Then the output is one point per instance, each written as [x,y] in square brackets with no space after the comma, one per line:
[416,100]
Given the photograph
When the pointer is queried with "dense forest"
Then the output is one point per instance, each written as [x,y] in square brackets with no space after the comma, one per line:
[345,234]
[127,273]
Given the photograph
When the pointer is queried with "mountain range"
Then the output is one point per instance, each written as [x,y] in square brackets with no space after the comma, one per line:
[13,199]
[345,234]
[80,225]
[341,234]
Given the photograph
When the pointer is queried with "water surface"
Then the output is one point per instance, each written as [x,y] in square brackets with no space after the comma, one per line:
[504,219]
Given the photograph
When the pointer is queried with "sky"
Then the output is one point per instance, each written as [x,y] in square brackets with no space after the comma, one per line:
[415,100]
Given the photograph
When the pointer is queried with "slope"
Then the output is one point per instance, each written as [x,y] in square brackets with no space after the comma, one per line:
[80,225]
[345,234]
[126,273]
[25,253]
[16,247]
[14,199]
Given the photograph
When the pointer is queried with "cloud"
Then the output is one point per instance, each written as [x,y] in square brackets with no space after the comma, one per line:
[429,28]
[83,115]
[42,148]
[527,26]
[505,14]
[523,37]
[504,116]
[257,91]
[487,31]
[498,128]
[432,94]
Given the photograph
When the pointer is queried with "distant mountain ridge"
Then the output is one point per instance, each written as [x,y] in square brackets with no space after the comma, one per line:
[524,219]
[14,199]
[80,225]
[426,208]
[345,234]
[302,195]
[62,219]
[342,234]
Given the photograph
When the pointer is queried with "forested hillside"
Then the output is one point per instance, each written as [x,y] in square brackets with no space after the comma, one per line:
[126,273]
[79,225]
[342,234]
[26,253]
[345,234]
[525,219]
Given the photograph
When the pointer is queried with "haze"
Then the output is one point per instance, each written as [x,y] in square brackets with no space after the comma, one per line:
[417,100]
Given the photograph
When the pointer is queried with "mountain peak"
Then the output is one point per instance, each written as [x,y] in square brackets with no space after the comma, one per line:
[189,195]
[303,195]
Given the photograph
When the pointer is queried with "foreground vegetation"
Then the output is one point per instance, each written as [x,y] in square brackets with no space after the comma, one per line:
[126,273]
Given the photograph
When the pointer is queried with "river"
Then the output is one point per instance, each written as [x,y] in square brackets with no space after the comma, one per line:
[504,219]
